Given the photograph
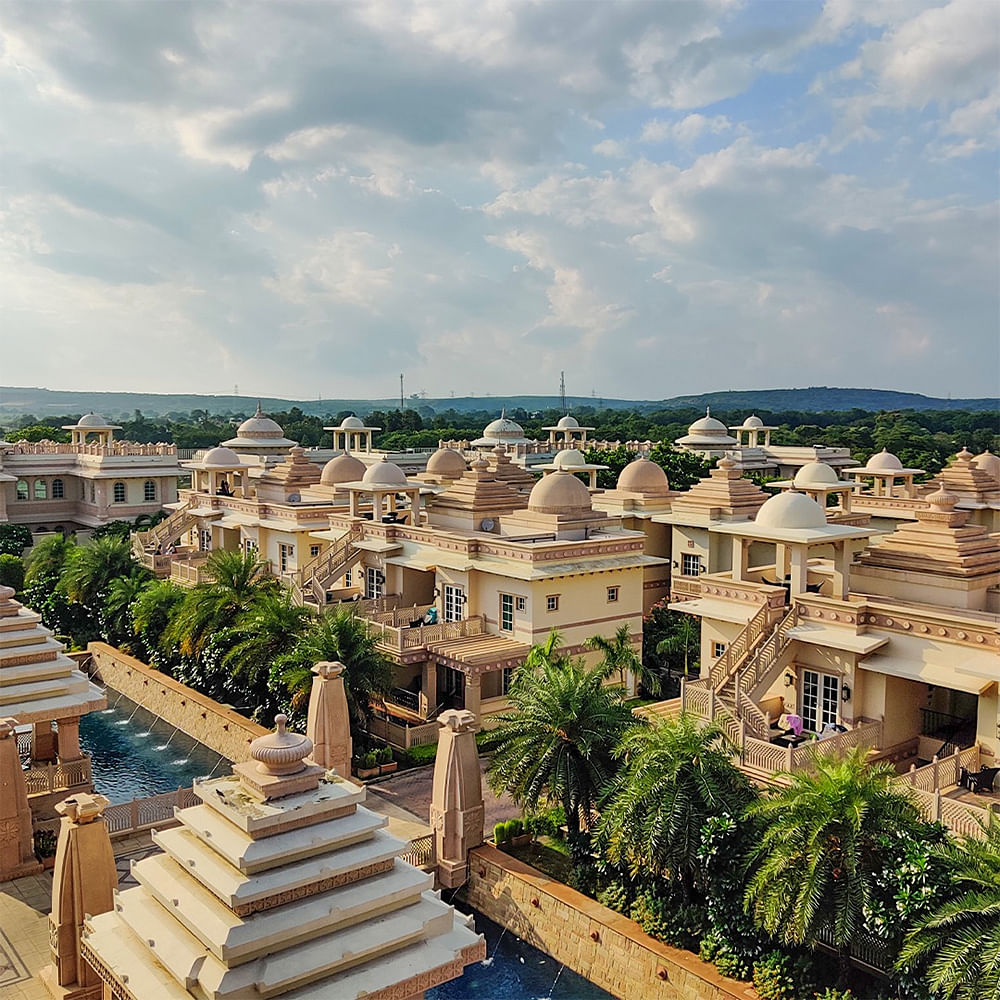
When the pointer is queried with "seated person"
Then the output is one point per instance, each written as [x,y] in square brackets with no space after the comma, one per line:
[431,617]
[224,490]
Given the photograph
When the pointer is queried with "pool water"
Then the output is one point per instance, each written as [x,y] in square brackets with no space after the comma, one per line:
[134,753]
[515,970]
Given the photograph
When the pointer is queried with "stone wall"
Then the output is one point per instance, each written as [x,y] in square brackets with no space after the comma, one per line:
[223,730]
[605,947]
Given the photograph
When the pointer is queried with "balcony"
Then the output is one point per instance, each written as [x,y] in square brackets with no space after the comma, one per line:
[189,568]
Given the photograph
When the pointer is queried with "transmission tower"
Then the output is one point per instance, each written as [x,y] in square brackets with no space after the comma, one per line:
[562,391]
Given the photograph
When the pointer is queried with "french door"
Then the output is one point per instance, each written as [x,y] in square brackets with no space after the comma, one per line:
[454,603]
[820,700]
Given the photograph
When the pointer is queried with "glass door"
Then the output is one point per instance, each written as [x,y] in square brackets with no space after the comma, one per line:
[454,603]
[820,700]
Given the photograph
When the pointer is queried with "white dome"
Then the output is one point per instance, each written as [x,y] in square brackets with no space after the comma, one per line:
[92,420]
[884,461]
[559,493]
[568,459]
[643,476]
[752,422]
[385,473]
[446,462]
[503,427]
[988,462]
[221,458]
[352,424]
[259,426]
[791,510]
[815,474]
[342,469]
[567,423]
[708,423]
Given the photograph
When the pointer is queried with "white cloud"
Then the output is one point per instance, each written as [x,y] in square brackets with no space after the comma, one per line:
[687,130]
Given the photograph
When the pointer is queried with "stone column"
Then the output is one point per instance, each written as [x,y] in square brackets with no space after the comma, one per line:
[741,549]
[17,856]
[68,739]
[43,742]
[428,687]
[457,812]
[473,693]
[799,570]
[83,884]
[329,722]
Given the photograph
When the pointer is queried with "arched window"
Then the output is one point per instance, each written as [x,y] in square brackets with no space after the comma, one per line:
[149,490]
[119,493]
[41,489]
[22,490]
[58,491]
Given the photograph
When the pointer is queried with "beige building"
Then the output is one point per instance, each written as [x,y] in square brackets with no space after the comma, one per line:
[86,483]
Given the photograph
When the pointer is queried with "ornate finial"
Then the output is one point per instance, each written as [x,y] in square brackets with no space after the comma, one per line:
[83,807]
[965,456]
[280,752]
[941,499]
[708,411]
[260,411]
[480,464]
[328,669]
[726,463]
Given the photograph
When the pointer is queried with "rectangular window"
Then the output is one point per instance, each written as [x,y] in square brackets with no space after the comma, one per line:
[820,700]
[454,603]
[521,603]
[119,493]
[22,490]
[93,494]
[149,491]
[249,546]
[286,557]
[552,602]
[58,491]
[374,580]
[612,595]
[348,578]
[42,490]
[313,551]
[205,540]
[506,613]
[718,649]
[508,676]
[690,565]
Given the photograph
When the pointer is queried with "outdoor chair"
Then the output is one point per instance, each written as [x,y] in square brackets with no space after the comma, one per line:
[982,781]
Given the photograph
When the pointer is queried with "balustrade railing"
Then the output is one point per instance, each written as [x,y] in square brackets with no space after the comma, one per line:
[398,639]
[404,698]
[942,772]
[960,817]
[58,775]
[313,580]
[737,651]
[420,852]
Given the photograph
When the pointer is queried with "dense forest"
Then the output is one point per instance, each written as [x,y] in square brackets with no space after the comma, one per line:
[921,438]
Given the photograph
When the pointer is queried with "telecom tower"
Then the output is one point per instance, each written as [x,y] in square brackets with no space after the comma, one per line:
[562,391]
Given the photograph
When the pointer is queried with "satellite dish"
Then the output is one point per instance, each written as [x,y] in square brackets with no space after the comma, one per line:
[487,524]
[294,497]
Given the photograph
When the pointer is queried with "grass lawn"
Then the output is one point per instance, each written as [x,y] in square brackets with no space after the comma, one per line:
[548,855]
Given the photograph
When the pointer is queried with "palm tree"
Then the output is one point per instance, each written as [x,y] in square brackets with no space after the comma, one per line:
[90,568]
[238,580]
[269,629]
[557,743]
[48,557]
[961,938]
[337,635]
[619,655]
[685,641]
[818,859]
[676,776]
[116,612]
[151,614]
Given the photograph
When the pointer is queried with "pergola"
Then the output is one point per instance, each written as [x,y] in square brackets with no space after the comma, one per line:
[884,469]
[567,433]
[384,482]
[351,434]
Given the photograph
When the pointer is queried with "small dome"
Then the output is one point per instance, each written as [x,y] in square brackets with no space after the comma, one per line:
[559,493]
[753,422]
[569,458]
[884,461]
[446,462]
[567,423]
[92,420]
[385,473]
[708,423]
[342,469]
[988,462]
[791,510]
[221,458]
[352,424]
[643,476]
[503,427]
[259,426]
[814,474]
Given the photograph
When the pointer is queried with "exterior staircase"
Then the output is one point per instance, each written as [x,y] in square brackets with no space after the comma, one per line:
[144,543]
[311,583]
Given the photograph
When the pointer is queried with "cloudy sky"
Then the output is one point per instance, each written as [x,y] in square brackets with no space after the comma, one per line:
[658,198]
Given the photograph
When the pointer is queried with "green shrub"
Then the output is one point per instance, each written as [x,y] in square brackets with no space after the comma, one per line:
[500,833]
[369,760]
[516,827]
[716,948]
[773,978]
[14,538]
[45,843]
[546,823]
[11,571]
[418,756]
[385,755]
[616,897]
[661,913]
[835,993]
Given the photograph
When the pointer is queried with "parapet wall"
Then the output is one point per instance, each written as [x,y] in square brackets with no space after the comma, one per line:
[222,729]
[601,945]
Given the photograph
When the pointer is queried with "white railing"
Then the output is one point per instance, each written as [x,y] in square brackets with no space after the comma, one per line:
[942,772]
[312,581]
[960,817]
[420,853]
[404,737]
[737,651]
[124,818]
[58,776]
[397,639]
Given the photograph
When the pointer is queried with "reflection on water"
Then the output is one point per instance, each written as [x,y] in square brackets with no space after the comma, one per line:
[514,970]
[134,753]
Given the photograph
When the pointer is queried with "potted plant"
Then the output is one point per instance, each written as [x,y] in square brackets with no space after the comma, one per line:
[386,765]
[368,768]
[501,834]
[45,847]
[519,837]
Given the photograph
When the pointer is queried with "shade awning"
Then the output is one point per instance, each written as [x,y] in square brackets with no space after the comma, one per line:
[959,669]
[723,611]
[838,638]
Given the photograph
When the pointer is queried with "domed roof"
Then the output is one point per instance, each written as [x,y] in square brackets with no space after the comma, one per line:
[708,423]
[446,462]
[385,473]
[815,474]
[643,476]
[259,426]
[988,462]
[91,420]
[352,424]
[503,427]
[567,423]
[559,493]
[342,469]
[221,458]
[752,422]
[569,458]
[791,510]
[884,461]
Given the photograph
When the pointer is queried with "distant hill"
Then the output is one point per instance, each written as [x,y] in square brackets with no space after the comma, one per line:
[15,401]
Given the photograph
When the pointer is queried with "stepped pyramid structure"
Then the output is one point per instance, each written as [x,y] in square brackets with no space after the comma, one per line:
[280,883]
[724,495]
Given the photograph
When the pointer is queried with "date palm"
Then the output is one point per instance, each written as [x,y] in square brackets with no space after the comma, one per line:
[675,777]
[557,742]
[152,611]
[48,557]
[684,642]
[961,938]
[816,866]
[91,568]
[116,611]
[619,656]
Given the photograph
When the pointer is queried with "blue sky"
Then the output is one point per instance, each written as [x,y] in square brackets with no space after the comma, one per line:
[657,198]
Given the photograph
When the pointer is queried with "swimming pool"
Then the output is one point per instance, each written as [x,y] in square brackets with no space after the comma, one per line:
[134,753]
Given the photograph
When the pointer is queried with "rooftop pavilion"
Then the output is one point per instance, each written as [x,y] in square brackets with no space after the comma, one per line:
[91,423]
[708,436]
[753,427]
[351,435]
[571,460]
[566,432]
[503,430]
[885,470]
[259,435]
[819,482]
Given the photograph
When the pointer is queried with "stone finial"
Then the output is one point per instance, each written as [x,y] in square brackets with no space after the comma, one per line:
[328,669]
[726,463]
[8,606]
[7,727]
[458,719]
[84,807]
[328,723]
[941,499]
[281,752]
[17,857]
[480,464]
[964,456]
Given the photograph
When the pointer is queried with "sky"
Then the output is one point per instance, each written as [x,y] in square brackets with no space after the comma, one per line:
[657,198]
